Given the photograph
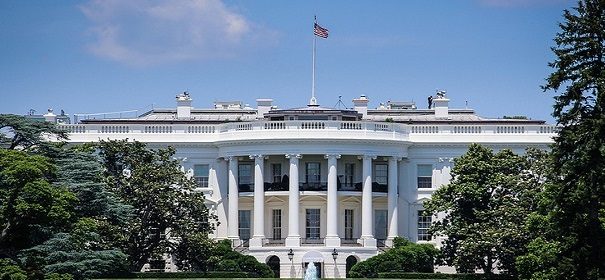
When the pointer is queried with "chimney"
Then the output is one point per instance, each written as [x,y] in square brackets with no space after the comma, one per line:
[183,106]
[263,106]
[361,105]
[441,103]
[50,116]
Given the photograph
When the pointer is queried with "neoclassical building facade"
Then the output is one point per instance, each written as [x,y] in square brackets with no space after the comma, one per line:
[313,184]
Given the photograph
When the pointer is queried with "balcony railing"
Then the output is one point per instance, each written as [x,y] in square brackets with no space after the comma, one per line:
[320,186]
[345,242]
[312,241]
[270,242]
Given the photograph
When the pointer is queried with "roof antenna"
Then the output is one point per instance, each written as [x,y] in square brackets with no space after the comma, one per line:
[340,103]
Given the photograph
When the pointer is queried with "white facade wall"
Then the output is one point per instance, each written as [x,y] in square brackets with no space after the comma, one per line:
[409,145]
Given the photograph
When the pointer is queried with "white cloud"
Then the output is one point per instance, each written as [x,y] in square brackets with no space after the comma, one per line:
[140,32]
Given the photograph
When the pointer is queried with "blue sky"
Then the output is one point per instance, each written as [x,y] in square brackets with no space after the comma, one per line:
[105,56]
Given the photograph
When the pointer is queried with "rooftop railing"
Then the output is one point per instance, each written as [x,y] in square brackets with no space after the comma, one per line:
[377,127]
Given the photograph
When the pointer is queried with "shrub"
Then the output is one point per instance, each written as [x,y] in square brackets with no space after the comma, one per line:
[405,256]
[9,270]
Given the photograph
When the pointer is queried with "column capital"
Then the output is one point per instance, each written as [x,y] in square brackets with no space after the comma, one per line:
[328,156]
[372,157]
[291,156]
[397,158]
[257,156]
[229,158]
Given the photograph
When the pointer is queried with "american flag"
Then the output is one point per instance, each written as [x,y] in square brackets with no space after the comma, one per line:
[320,31]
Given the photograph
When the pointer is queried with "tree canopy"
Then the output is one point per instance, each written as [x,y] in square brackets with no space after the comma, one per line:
[484,208]
[571,244]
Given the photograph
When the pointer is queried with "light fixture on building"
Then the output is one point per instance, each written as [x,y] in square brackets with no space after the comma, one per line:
[334,254]
[290,255]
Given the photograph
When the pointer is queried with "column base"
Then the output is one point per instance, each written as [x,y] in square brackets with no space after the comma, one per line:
[333,241]
[367,241]
[292,241]
[235,241]
[389,241]
[257,241]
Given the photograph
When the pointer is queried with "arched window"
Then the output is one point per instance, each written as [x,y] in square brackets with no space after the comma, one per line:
[351,261]
[273,263]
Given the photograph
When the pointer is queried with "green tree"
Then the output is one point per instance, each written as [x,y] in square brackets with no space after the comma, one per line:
[31,209]
[79,253]
[405,256]
[166,205]
[573,221]
[484,208]
[23,133]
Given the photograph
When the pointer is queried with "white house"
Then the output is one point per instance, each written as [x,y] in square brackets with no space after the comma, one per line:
[314,184]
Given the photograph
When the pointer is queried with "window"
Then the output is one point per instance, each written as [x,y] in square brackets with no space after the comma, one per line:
[244,174]
[381,174]
[349,175]
[312,223]
[424,223]
[313,175]
[244,224]
[425,176]
[380,224]
[276,224]
[349,223]
[200,174]
[276,170]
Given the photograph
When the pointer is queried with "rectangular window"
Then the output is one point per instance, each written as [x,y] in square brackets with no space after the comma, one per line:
[425,176]
[349,223]
[313,175]
[277,224]
[312,224]
[200,174]
[380,224]
[244,224]
[244,174]
[349,175]
[381,174]
[424,223]
[276,171]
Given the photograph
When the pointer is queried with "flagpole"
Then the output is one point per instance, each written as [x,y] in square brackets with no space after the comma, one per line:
[313,101]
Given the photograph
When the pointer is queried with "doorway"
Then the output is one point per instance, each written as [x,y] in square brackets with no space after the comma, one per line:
[273,263]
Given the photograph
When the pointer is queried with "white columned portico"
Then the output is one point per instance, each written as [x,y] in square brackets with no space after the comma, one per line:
[293,239]
[392,196]
[232,223]
[332,239]
[259,201]
[367,223]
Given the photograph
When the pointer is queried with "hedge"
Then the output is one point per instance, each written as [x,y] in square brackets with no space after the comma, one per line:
[458,276]
[177,275]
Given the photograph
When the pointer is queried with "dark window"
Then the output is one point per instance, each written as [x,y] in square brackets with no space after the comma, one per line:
[349,223]
[276,224]
[276,170]
[244,224]
[312,223]
[244,174]
[200,174]
[313,174]
[425,176]
[381,174]
[349,175]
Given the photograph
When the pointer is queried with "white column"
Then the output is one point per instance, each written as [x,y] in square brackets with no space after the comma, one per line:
[233,217]
[293,239]
[259,202]
[367,223]
[332,239]
[393,196]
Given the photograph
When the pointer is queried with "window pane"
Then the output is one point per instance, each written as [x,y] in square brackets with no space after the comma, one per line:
[200,174]
[425,170]
[201,170]
[424,223]
[381,173]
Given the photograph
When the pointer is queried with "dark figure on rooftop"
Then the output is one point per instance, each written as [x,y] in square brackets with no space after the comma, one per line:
[430,101]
